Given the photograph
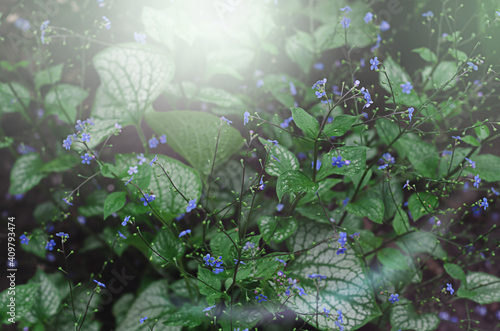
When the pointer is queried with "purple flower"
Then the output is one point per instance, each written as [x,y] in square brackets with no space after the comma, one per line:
[457,137]
[163,139]
[477,180]
[407,184]
[319,66]
[86,137]
[293,90]
[410,112]
[118,127]
[226,120]
[153,160]
[262,186]
[67,201]
[347,9]
[128,181]
[472,163]
[280,207]
[209,308]
[153,142]
[429,14]
[132,170]
[107,22]
[140,159]
[472,66]
[43,29]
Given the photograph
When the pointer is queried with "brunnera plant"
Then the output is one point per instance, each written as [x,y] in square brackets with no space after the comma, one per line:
[219,165]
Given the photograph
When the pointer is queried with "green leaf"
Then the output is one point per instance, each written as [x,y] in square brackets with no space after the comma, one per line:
[62,163]
[294,181]
[94,204]
[471,140]
[287,160]
[458,55]
[24,296]
[423,156]
[279,89]
[208,282]
[426,54]
[305,122]
[404,317]
[300,49]
[49,76]
[372,208]
[62,100]
[47,298]
[421,242]
[113,203]
[132,76]
[355,154]
[392,258]
[443,73]
[26,173]
[37,244]
[455,271]
[6,142]
[227,102]
[487,167]
[421,204]
[168,201]
[276,229]
[121,306]
[167,245]
[193,135]
[400,223]
[482,131]
[481,288]
[152,302]
[188,315]
[338,290]
[341,124]
[98,132]
[396,74]
[9,102]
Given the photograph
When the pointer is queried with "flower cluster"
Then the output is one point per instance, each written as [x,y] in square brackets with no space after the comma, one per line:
[340,321]
[367,97]
[286,122]
[320,88]
[216,264]
[342,241]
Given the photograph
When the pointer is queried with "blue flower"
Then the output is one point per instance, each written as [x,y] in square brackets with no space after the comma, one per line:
[132,170]
[472,66]
[163,139]
[148,198]
[457,137]
[248,245]
[327,312]
[407,87]
[280,207]
[286,122]
[43,29]
[86,137]
[340,317]
[22,24]
[347,9]
[410,112]
[50,245]
[153,160]
[153,142]
[191,205]
[246,118]
[477,180]
[342,239]
[107,22]
[140,37]
[345,22]
[317,276]
[226,120]
[368,17]
[24,240]
[67,142]
[67,201]
[125,220]
[484,203]
[209,308]
[241,262]
[142,320]
[494,191]
[86,158]
[262,186]
[128,181]
[407,184]
[345,201]
[338,162]
[183,233]
[429,14]
[275,142]
[293,90]
[121,235]
[62,235]
[449,288]
[261,297]
[367,97]
[118,127]
[140,159]
[281,261]
[384,26]
[25,149]
[318,164]
[374,63]
[319,66]
[99,283]
[472,163]
[394,298]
